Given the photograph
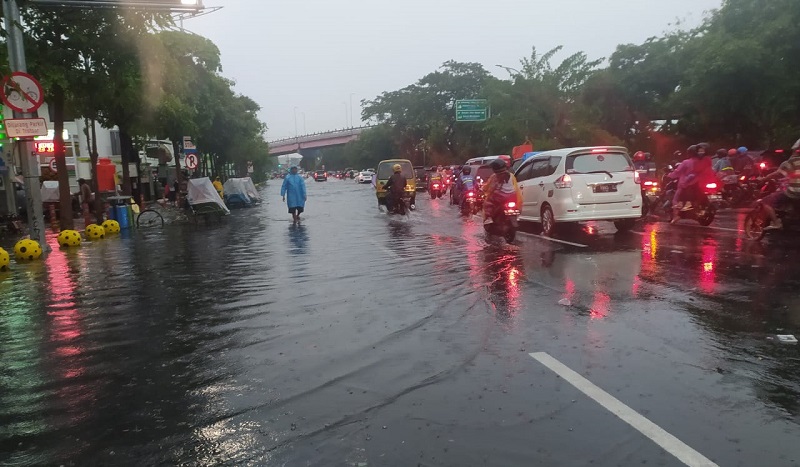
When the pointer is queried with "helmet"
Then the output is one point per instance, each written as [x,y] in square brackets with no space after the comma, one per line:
[721,152]
[466,170]
[396,168]
[732,152]
[639,156]
[703,149]
[742,149]
[498,165]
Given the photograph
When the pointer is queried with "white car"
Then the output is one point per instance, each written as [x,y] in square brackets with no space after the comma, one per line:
[580,184]
[364,177]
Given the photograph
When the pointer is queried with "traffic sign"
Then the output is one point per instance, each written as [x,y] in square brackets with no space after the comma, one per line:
[25,127]
[22,92]
[53,165]
[472,110]
[190,161]
[188,143]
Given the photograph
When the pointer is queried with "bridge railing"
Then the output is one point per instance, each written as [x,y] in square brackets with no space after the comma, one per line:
[321,133]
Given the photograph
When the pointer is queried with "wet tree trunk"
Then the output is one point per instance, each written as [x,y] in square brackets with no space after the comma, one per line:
[64,195]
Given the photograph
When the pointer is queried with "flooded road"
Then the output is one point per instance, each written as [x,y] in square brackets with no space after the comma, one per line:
[355,339]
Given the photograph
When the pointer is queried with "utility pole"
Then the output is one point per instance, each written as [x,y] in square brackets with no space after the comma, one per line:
[28,159]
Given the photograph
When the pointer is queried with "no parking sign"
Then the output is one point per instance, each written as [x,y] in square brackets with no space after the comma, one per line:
[191,161]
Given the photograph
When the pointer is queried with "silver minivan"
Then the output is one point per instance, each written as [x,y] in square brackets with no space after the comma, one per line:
[580,184]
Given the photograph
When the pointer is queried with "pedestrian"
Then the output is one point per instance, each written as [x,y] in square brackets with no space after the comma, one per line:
[293,191]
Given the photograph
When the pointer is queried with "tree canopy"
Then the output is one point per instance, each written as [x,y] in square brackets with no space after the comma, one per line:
[728,81]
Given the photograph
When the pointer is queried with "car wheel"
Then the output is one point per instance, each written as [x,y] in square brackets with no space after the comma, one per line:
[548,222]
[624,225]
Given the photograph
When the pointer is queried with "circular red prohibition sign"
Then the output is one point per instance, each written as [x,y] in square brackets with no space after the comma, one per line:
[22,92]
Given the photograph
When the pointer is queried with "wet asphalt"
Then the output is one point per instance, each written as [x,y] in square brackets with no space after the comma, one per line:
[358,339]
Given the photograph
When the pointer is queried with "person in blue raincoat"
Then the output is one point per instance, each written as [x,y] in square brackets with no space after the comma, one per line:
[293,191]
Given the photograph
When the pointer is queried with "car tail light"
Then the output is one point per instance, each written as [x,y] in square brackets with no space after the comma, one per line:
[648,183]
[599,150]
[565,181]
[636,178]
[711,186]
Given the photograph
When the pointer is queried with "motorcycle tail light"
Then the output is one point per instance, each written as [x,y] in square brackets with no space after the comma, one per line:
[711,186]
[511,205]
[742,178]
[648,183]
[436,185]
[470,194]
[763,165]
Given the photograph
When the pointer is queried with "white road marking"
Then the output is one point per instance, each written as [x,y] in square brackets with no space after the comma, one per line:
[554,239]
[658,435]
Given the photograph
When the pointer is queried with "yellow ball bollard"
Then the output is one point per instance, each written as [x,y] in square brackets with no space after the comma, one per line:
[95,232]
[68,238]
[27,250]
[5,260]
[111,226]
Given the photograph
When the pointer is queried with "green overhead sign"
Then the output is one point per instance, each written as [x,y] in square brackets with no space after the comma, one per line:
[472,110]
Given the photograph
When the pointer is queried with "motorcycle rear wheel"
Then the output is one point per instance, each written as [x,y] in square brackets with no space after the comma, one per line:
[706,219]
[754,225]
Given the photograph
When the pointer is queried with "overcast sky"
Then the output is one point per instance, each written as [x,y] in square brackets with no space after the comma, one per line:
[315,54]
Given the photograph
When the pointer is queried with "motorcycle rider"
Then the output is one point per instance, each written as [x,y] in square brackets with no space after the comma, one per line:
[791,194]
[464,183]
[395,188]
[742,163]
[724,163]
[692,174]
[436,177]
[499,189]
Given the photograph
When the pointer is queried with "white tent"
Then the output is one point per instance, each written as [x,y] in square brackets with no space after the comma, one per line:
[252,191]
[50,191]
[202,191]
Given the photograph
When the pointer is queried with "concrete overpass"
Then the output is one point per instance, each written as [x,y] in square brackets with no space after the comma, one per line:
[315,141]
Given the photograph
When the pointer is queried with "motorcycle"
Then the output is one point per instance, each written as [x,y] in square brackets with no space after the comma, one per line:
[650,194]
[505,222]
[703,212]
[469,202]
[436,190]
[400,206]
[757,220]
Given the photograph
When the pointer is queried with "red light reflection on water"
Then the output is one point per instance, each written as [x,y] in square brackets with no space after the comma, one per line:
[600,306]
[707,271]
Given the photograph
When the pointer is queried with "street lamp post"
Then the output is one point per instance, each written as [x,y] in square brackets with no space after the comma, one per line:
[351,109]
[295,123]
[305,132]
[516,73]
[345,113]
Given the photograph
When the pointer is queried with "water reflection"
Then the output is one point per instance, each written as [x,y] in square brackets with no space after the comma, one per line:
[504,273]
[298,238]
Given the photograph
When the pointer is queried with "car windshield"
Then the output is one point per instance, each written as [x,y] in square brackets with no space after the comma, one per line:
[598,163]
[385,170]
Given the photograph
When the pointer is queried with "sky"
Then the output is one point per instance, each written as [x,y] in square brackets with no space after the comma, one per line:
[305,61]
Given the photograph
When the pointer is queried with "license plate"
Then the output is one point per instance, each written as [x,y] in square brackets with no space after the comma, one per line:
[605,188]
[714,198]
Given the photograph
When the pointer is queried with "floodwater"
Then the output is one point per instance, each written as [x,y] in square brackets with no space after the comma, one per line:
[358,339]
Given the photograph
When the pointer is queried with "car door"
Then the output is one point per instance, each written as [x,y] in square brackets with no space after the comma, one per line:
[533,186]
[523,174]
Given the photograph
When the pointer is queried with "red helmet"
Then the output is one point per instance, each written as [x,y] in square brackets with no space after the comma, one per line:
[639,156]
